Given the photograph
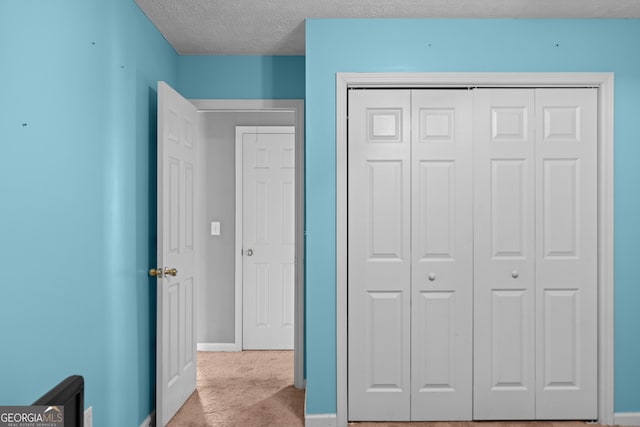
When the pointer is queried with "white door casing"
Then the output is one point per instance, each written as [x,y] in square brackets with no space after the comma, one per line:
[176,344]
[268,236]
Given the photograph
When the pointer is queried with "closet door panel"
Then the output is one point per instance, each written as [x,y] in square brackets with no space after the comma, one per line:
[566,254]
[379,298]
[441,269]
[504,256]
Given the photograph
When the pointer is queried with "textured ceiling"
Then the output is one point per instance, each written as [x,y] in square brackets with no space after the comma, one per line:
[276,27]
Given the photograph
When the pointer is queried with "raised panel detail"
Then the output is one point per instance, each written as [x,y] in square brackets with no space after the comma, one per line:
[561,124]
[189,134]
[173,131]
[561,332]
[288,212]
[263,294]
[437,209]
[288,158]
[173,301]
[437,125]
[385,210]
[385,341]
[384,125]
[262,158]
[188,204]
[509,124]
[436,341]
[288,273]
[174,205]
[187,326]
[508,321]
[508,216]
[561,213]
[262,212]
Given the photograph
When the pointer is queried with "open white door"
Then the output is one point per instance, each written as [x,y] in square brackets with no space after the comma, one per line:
[176,344]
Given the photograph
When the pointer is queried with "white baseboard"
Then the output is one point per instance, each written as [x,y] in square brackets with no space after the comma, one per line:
[320,420]
[150,421]
[88,417]
[626,419]
[218,346]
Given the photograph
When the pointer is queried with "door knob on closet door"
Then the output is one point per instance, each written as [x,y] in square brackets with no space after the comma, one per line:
[515,274]
[249,252]
[170,272]
[432,277]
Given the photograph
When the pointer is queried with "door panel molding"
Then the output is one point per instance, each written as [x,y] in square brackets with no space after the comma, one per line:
[604,82]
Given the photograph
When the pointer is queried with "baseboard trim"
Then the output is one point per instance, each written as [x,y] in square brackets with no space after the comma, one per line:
[217,346]
[320,420]
[626,418]
[150,421]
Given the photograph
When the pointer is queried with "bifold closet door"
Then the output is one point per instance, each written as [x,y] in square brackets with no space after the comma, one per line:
[535,303]
[504,257]
[441,255]
[410,249]
[566,254]
[379,251]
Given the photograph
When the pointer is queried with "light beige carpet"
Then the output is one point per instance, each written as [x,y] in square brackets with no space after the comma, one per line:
[255,389]
[249,388]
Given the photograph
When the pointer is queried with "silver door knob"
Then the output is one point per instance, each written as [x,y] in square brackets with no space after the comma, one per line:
[249,252]
[515,274]
[432,276]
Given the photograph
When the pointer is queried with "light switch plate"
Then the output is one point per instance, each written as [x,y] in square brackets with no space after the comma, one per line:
[215,228]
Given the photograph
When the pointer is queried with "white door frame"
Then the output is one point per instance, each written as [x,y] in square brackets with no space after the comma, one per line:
[604,83]
[275,105]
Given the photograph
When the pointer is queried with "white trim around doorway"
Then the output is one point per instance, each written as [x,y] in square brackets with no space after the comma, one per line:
[273,105]
[604,83]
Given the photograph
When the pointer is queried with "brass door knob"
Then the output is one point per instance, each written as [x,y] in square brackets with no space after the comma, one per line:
[170,272]
[156,272]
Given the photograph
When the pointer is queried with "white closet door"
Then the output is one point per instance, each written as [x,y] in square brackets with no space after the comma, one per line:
[441,274]
[504,268]
[566,254]
[379,255]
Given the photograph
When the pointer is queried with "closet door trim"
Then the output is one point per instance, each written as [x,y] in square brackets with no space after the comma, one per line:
[604,82]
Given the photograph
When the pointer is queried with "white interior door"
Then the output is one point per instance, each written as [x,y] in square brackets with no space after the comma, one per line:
[504,258]
[268,235]
[379,252]
[176,344]
[566,254]
[441,255]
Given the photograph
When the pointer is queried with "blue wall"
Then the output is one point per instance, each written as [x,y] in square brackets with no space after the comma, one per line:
[241,77]
[77,119]
[474,46]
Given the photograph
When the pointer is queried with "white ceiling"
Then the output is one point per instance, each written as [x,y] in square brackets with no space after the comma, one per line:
[276,27]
